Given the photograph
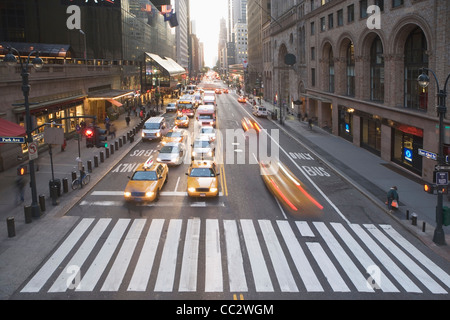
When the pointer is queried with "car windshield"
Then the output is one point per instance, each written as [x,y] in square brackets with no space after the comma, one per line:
[201,144]
[144,176]
[169,149]
[207,130]
[174,134]
[205,116]
[202,173]
[182,118]
[186,106]
[152,126]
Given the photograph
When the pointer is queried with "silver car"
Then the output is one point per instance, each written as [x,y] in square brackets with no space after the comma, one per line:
[203,148]
[171,107]
[172,154]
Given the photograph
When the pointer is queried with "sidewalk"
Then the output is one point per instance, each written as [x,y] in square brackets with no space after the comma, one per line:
[20,255]
[373,177]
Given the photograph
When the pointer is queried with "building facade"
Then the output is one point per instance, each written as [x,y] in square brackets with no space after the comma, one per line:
[356,72]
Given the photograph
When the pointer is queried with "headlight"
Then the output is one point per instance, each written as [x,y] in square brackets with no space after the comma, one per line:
[158,159]
[158,134]
[210,154]
[127,194]
[143,134]
[213,189]
[193,153]
[149,194]
[191,189]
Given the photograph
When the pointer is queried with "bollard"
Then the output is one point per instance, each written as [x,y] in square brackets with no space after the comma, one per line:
[65,185]
[424,225]
[28,214]
[102,157]
[42,202]
[120,142]
[11,226]
[95,161]
[124,139]
[116,145]
[54,195]
[74,176]
[107,152]
[89,165]
[414,219]
[112,149]
[407,214]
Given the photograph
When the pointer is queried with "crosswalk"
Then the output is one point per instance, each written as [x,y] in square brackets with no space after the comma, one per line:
[215,255]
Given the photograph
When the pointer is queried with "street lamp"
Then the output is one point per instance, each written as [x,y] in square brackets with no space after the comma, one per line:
[37,63]
[85,49]
[424,81]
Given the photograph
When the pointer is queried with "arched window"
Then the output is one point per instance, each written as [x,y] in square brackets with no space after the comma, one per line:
[376,71]
[330,71]
[416,97]
[351,70]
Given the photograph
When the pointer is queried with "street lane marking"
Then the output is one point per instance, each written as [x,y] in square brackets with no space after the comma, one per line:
[141,274]
[117,272]
[189,265]
[95,271]
[213,264]
[236,273]
[168,263]
[44,273]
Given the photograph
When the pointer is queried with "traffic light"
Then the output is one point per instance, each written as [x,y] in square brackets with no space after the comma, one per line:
[22,170]
[428,188]
[101,138]
[90,137]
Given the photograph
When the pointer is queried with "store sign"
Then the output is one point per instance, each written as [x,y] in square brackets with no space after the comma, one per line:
[408,154]
[92,3]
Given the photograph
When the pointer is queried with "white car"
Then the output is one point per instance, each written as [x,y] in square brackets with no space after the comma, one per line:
[209,132]
[172,154]
[260,111]
[203,148]
[171,107]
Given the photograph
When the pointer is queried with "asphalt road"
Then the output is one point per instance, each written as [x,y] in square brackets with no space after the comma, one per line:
[241,245]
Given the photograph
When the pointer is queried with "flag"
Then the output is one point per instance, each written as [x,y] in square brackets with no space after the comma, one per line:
[173,22]
[168,15]
[166,9]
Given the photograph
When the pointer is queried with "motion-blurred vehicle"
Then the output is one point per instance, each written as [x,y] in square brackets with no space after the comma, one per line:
[288,190]
[171,107]
[218,91]
[226,91]
[146,183]
[202,149]
[209,132]
[175,135]
[182,121]
[202,179]
[249,124]
[242,99]
[172,154]
[260,111]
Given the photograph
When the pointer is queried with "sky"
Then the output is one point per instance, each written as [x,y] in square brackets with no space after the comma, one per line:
[207,14]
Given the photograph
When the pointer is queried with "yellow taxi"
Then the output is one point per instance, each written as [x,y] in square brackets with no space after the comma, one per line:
[182,121]
[203,179]
[147,181]
[175,135]
[242,99]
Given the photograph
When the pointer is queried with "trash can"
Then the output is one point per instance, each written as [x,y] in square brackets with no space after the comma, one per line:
[57,184]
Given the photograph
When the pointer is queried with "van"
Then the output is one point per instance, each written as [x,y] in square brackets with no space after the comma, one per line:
[209,100]
[260,111]
[154,128]
[206,115]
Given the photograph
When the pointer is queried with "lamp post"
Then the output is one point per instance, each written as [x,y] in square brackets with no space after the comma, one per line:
[85,49]
[424,81]
[37,62]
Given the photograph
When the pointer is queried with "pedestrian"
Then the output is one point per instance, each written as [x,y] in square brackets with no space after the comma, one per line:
[108,126]
[112,131]
[392,198]
[127,119]
[310,124]
[64,145]
[20,186]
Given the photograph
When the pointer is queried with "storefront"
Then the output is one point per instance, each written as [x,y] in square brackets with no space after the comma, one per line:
[160,73]
[345,122]
[370,132]
[406,142]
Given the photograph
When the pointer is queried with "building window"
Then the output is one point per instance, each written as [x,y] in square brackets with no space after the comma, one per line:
[397,3]
[313,77]
[416,97]
[363,8]
[330,21]
[330,72]
[312,28]
[371,134]
[322,24]
[340,17]
[351,13]
[313,53]
[312,5]
[380,4]
[351,70]
[377,71]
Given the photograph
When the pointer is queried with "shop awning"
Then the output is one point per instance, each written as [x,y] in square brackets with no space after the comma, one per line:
[115,102]
[50,101]
[11,129]
[110,95]
[168,64]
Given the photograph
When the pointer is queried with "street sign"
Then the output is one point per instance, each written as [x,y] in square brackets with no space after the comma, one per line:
[19,140]
[428,154]
[442,178]
[33,150]
[442,168]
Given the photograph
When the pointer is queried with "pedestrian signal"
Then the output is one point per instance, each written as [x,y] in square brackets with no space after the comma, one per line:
[90,137]
[428,188]
[22,170]
[101,138]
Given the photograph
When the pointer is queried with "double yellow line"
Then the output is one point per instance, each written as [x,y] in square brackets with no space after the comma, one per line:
[223,180]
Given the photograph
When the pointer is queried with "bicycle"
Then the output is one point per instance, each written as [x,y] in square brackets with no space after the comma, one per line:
[84,179]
